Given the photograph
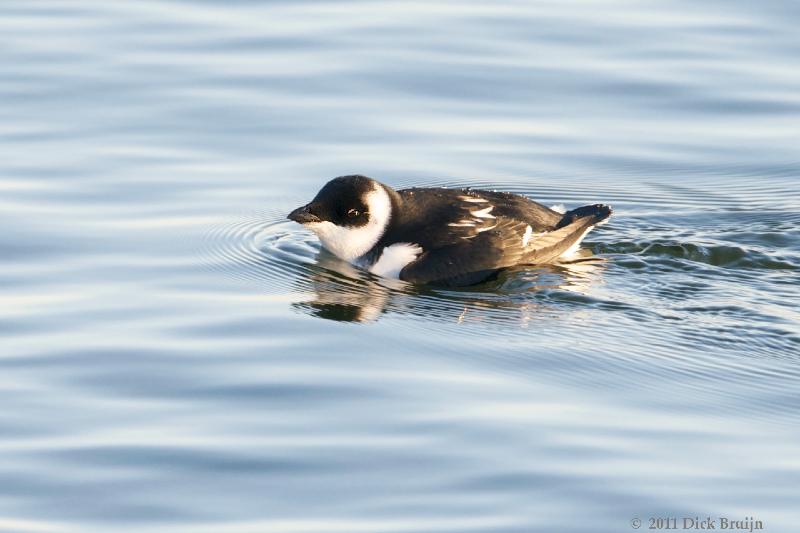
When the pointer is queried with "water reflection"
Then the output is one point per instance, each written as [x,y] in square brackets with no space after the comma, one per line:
[341,292]
[336,290]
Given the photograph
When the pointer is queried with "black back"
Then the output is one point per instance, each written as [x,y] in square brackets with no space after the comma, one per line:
[424,215]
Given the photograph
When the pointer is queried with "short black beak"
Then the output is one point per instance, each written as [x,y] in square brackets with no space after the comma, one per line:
[303,215]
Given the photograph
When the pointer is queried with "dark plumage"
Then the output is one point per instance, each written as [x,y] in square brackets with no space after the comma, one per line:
[448,237]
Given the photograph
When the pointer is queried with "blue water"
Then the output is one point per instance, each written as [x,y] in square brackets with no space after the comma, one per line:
[177,357]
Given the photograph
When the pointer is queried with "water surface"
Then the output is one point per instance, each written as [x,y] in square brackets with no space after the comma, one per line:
[177,357]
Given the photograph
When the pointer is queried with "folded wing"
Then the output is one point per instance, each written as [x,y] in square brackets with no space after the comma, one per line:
[502,242]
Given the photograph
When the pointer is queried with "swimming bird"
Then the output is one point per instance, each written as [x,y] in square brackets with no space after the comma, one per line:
[440,236]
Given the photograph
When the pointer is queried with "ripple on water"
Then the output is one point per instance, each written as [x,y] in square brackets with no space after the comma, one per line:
[662,263]
[680,255]
[259,248]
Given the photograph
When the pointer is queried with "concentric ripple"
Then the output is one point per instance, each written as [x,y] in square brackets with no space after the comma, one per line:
[660,264]
[260,248]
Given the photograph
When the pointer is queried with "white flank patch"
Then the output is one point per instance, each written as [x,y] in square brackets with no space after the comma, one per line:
[350,243]
[559,208]
[527,237]
[483,213]
[576,246]
[394,258]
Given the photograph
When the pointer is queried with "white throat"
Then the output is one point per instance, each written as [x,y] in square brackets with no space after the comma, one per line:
[350,243]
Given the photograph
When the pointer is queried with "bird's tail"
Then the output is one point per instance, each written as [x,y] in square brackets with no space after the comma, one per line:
[563,241]
[595,214]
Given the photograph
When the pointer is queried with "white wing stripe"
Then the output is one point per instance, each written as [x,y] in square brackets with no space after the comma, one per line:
[473,199]
[483,213]
[527,237]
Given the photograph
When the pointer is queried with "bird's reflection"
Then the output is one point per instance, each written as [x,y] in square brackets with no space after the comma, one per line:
[336,290]
[339,291]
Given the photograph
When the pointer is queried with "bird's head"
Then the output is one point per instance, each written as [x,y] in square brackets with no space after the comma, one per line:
[349,215]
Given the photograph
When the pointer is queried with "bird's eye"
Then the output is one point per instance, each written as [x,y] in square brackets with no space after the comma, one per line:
[353,213]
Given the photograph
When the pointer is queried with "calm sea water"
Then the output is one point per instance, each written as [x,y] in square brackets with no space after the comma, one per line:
[176,357]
